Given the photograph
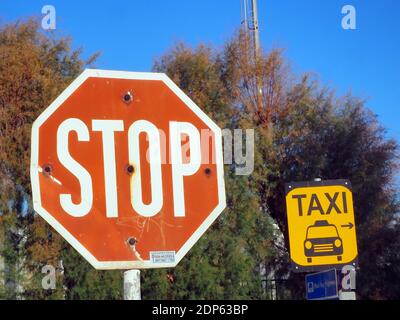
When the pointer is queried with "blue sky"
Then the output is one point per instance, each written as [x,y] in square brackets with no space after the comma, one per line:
[131,34]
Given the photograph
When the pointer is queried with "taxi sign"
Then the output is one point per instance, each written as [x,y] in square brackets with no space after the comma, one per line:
[322,232]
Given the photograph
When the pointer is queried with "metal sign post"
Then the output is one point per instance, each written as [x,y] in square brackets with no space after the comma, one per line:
[347,295]
[132,285]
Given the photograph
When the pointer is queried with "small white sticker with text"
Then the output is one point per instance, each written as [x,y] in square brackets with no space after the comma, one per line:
[162,256]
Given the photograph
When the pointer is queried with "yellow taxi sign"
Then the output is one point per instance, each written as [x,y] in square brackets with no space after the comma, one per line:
[322,232]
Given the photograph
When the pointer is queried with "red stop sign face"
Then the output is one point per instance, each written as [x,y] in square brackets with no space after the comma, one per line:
[127,169]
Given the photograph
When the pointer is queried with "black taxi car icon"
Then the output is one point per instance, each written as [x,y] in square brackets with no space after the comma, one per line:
[322,239]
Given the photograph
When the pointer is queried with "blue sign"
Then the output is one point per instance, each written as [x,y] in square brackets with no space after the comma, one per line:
[322,285]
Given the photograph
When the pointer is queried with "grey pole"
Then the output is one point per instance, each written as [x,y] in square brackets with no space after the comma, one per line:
[257,50]
[132,277]
[250,22]
[351,295]
[132,285]
[256,33]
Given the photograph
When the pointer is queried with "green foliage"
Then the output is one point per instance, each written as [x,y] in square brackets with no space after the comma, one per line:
[318,135]
[34,69]
[82,282]
[224,264]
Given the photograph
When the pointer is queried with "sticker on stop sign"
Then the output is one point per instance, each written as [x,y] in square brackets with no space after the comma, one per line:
[127,169]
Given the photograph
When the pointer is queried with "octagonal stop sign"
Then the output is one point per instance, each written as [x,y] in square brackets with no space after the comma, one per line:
[127,169]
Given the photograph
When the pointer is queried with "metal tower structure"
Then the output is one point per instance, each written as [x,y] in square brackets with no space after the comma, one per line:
[250,22]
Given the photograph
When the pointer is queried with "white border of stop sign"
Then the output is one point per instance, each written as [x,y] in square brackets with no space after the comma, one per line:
[35,169]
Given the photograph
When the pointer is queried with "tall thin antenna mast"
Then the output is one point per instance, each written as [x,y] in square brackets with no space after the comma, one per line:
[250,21]
[243,11]
[256,33]
[251,27]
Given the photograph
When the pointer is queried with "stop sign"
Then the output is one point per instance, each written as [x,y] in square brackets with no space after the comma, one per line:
[127,169]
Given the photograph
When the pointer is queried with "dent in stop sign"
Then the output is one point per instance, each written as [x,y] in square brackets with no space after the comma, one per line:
[127,169]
